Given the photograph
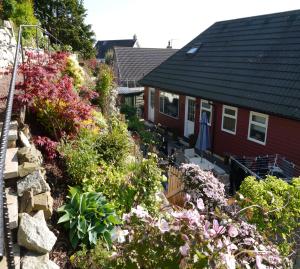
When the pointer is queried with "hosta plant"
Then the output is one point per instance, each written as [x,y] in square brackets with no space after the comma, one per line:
[88,216]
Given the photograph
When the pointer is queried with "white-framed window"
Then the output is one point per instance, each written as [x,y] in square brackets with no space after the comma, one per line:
[258,127]
[169,104]
[229,119]
[207,108]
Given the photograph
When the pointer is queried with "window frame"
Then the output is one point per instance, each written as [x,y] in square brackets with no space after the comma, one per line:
[161,112]
[253,113]
[229,116]
[206,109]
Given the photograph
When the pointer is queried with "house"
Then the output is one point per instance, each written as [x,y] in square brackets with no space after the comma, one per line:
[245,74]
[130,65]
[104,46]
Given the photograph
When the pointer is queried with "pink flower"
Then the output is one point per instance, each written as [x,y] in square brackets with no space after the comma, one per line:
[233,231]
[187,197]
[259,263]
[200,204]
[140,212]
[228,260]
[163,225]
[184,250]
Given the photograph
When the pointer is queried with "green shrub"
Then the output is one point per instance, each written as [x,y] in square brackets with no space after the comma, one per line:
[24,14]
[274,206]
[128,111]
[113,146]
[75,71]
[82,159]
[88,217]
[7,9]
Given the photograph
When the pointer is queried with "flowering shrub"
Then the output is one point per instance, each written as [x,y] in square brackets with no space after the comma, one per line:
[75,71]
[202,184]
[274,206]
[50,94]
[186,239]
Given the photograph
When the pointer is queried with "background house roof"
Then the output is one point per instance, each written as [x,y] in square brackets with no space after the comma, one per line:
[102,46]
[251,62]
[134,63]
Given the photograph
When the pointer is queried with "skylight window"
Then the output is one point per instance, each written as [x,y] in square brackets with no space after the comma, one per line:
[193,50]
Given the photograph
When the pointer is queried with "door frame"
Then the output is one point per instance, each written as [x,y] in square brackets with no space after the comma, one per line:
[187,98]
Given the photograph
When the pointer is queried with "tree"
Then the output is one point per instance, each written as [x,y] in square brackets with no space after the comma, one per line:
[65,20]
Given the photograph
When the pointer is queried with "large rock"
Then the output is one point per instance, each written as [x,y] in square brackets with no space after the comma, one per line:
[30,155]
[34,234]
[34,261]
[35,181]
[27,168]
[24,140]
[43,201]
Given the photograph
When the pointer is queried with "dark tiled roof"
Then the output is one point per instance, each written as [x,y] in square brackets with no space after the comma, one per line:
[251,62]
[134,63]
[103,46]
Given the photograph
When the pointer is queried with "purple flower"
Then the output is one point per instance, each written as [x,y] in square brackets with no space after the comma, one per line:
[184,250]
[140,212]
[259,263]
[200,204]
[163,225]
[233,231]
[229,260]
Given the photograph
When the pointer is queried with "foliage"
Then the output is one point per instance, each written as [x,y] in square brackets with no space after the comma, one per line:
[47,146]
[113,146]
[65,19]
[201,184]
[7,9]
[274,206]
[128,110]
[104,86]
[88,217]
[82,160]
[23,13]
[109,57]
[75,71]
[184,239]
[50,95]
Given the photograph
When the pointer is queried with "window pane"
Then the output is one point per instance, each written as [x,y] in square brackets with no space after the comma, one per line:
[205,105]
[161,104]
[169,104]
[229,124]
[229,111]
[191,110]
[257,132]
[259,119]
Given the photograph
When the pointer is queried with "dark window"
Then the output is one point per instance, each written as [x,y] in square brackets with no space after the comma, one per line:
[169,104]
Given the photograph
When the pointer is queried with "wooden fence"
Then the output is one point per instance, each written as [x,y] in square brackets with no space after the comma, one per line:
[175,193]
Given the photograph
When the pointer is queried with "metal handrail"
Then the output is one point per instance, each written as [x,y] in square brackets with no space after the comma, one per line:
[5,234]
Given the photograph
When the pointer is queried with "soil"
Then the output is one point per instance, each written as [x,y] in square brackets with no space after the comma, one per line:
[58,181]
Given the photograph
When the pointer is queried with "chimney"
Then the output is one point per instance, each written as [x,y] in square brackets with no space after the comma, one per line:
[134,37]
[169,45]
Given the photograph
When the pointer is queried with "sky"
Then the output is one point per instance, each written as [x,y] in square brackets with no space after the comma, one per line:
[155,22]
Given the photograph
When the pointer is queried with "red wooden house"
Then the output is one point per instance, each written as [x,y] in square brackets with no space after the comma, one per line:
[245,74]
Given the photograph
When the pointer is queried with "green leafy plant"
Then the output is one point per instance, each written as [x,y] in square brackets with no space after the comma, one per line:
[113,146]
[88,217]
[81,157]
[274,206]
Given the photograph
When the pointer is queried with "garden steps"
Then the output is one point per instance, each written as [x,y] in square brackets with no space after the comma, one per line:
[11,164]
[13,133]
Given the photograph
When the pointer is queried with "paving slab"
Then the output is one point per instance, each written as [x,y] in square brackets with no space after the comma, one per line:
[12,205]
[11,164]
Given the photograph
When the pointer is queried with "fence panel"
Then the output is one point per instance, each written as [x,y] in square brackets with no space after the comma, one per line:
[175,193]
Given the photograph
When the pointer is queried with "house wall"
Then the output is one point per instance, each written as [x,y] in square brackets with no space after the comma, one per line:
[283,135]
